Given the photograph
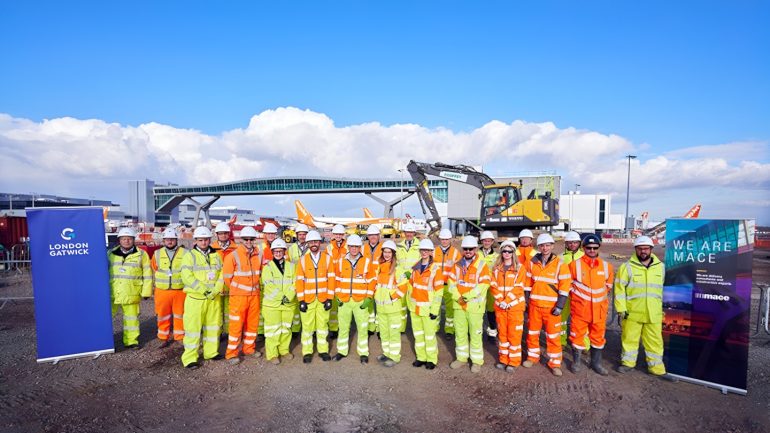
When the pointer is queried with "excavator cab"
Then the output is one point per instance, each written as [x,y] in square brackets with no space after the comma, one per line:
[496,198]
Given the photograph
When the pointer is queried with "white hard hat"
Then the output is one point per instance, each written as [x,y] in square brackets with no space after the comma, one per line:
[508,243]
[222,227]
[470,242]
[572,237]
[445,234]
[202,232]
[278,244]
[127,232]
[248,232]
[486,234]
[544,238]
[389,245]
[373,229]
[426,244]
[526,233]
[270,228]
[170,233]
[338,229]
[409,227]
[354,241]
[301,228]
[313,235]
[643,241]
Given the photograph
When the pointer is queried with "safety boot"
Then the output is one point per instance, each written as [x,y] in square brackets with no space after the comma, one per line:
[339,357]
[596,362]
[527,364]
[165,343]
[475,368]
[325,357]
[364,359]
[622,369]
[576,361]
[556,371]
[500,366]
[418,363]
[454,365]
[430,365]
[510,369]
[389,363]
[287,357]
[234,361]
[307,359]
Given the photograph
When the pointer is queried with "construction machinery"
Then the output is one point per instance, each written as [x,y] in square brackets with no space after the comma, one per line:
[503,207]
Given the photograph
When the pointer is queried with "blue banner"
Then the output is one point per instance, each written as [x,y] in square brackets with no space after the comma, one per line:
[707,299]
[70,282]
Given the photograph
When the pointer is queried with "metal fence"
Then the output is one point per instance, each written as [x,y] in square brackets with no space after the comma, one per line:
[15,259]
[763,310]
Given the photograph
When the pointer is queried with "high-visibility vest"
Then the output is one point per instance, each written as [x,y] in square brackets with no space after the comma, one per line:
[295,252]
[425,289]
[407,257]
[315,280]
[505,289]
[356,279]
[266,253]
[337,250]
[241,271]
[545,281]
[275,285]
[489,258]
[591,283]
[224,251]
[390,289]
[446,260]
[568,256]
[373,254]
[202,273]
[524,254]
[470,282]
[130,276]
[639,290]
[168,270]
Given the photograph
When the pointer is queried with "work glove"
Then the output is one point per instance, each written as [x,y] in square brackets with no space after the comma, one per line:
[621,317]
[210,295]
[408,274]
[433,316]
[556,311]
[366,304]
[503,305]
[303,306]
[327,304]
[145,297]
[284,300]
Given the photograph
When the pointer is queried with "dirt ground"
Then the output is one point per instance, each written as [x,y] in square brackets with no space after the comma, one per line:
[148,390]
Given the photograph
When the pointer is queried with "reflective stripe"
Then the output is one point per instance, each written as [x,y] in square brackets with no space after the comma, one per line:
[645,295]
[544,298]
[545,279]
[164,318]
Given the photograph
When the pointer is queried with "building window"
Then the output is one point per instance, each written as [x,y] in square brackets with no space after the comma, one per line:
[602,210]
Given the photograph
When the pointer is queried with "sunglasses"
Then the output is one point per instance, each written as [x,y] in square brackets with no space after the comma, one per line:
[248,239]
[468,249]
[590,248]
[507,252]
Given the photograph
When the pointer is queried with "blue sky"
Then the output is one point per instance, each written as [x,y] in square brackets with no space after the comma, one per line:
[664,76]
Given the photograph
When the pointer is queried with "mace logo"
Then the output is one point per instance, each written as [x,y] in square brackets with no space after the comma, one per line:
[68,234]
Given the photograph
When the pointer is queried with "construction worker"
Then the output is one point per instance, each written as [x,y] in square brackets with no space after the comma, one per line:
[224,246]
[571,253]
[356,281]
[169,296]
[203,283]
[279,302]
[548,280]
[639,305]
[130,281]
[315,293]
[468,285]
[426,286]
[509,308]
[489,256]
[372,250]
[447,255]
[592,280]
[337,249]
[269,234]
[391,288]
[408,254]
[296,250]
[241,272]
[525,251]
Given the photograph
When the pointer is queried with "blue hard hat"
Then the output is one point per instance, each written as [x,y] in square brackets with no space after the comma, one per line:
[592,239]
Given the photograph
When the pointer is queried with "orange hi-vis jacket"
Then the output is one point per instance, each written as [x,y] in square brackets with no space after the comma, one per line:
[447,261]
[545,281]
[525,254]
[505,289]
[390,289]
[241,271]
[315,280]
[336,250]
[468,286]
[356,278]
[592,279]
[267,253]
[223,253]
[426,289]
[373,254]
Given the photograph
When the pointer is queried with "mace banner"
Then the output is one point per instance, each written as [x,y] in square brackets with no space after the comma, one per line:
[706,301]
[71,282]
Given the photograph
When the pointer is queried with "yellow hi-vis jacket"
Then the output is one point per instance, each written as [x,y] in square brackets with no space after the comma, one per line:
[168,271]
[202,273]
[639,290]
[130,276]
[276,285]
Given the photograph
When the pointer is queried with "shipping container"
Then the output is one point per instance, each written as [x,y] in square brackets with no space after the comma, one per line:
[13,230]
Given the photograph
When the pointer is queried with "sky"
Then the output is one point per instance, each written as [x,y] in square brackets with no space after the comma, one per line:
[93,94]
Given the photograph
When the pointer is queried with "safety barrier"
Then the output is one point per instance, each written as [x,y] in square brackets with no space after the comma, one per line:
[16,259]
[763,310]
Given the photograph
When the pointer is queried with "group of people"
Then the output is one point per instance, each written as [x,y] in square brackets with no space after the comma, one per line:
[278,290]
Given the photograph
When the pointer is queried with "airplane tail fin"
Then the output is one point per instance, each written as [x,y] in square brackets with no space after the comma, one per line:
[693,212]
[303,215]
[368,213]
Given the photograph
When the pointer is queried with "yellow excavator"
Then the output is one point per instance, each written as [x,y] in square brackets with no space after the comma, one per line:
[503,207]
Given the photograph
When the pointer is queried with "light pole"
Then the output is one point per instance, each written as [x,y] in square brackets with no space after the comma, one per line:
[628,190]
[571,207]
[401,196]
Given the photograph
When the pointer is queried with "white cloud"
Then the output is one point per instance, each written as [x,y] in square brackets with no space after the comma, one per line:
[57,155]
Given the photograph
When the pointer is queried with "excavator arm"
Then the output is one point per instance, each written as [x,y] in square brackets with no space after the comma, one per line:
[460,173]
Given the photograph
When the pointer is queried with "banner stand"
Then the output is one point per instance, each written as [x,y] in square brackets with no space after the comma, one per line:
[724,388]
[55,360]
